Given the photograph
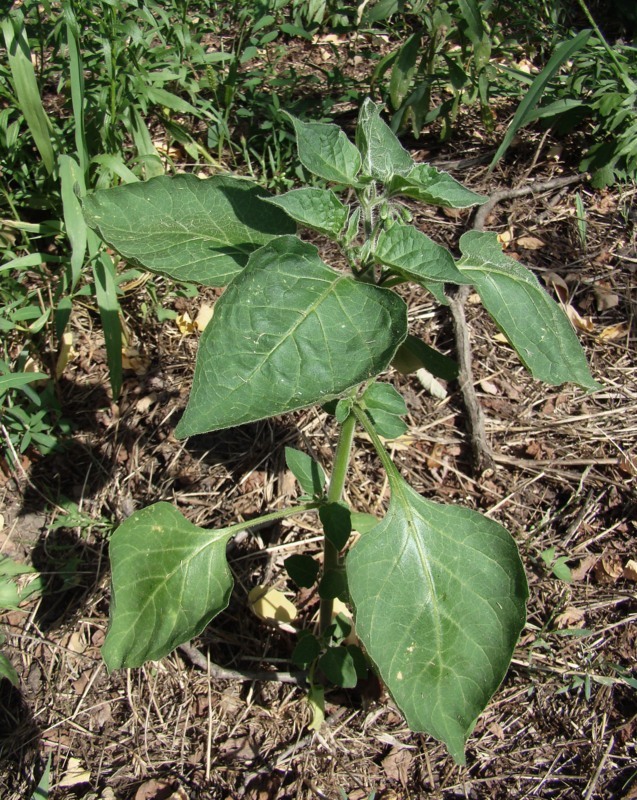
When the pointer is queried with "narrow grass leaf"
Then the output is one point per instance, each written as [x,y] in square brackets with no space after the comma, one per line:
[523,115]
[108,304]
[26,86]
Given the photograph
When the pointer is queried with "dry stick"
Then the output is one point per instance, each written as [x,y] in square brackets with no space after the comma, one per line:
[481,455]
[197,658]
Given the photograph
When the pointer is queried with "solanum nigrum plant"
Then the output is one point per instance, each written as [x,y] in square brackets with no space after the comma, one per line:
[438,592]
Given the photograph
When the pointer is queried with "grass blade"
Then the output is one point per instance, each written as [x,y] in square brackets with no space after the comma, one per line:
[71,175]
[106,294]
[26,86]
[526,108]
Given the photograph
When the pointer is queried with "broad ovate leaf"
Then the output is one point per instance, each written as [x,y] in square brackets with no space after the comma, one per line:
[319,209]
[169,579]
[326,151]
[435,187]
[383,155]
[288,332]
[412,254]
[439,594]
[532,321]
[190,229]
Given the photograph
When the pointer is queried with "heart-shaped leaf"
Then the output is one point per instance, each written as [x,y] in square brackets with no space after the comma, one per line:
[282,338]
[535,325]
[170,578]
[439,594]
[187,228]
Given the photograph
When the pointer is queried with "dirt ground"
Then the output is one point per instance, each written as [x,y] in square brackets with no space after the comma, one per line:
[563,724]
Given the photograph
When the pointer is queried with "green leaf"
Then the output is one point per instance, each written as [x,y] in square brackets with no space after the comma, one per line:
[363,523]
[316,702]
[524,114]
[435,187]
[169,577]
[471,15]
[283,337]
[319,209]
[439,594]
[7,670]
[74,223]
[26,86]
[303,570]
[385,406]
[404,69]
[337,664]
[413,354]
[535,324]
[333,584]
[383,155]
[337,523]
[326,151]
[187,228]
[108,304]
[306,651]
[308,472]
[14,380]
[415,256]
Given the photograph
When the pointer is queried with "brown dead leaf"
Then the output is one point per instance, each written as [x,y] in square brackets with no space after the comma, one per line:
[489,387]
[579,572]
[617,331]
[160,790]
[434,459]
[605,298]
[144,403]
[530,243]
[578,321]
[133,360]
[571,617]
[396,764]
[608,569]
[630,570]
[242,748]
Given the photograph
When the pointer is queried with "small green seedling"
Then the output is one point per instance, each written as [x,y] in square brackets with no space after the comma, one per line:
[437,592]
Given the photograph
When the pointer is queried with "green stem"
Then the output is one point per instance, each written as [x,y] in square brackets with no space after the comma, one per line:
[273,516]
[388,464]
[334,494]
[622,75]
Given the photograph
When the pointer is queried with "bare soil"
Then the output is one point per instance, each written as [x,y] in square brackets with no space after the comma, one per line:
[563,724]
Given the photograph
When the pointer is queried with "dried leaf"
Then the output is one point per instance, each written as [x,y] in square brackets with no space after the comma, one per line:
[530,243]
[579,572]
[604,297]
[66,354]
[75,773]
[489,387]
[430,384]
[144,403]
[630,570]
[396,764]
[578,321]
[271,605]
[185,324]
[134,361]
[204,316]
[160,790]
[571,617]
[608,569]
[617,331]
